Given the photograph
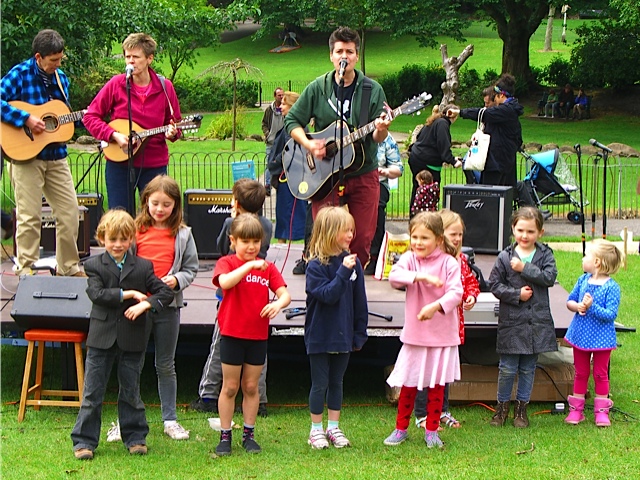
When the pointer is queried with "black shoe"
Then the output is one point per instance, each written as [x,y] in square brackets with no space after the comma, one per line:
[301,267]
[370,269]
[209,405]
[262,410]
[224,447]
[250,445]
[268,190]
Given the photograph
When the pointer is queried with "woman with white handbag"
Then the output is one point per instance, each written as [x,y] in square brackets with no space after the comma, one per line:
[502,124]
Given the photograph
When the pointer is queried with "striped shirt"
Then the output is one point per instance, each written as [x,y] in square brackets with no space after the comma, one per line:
[23,82]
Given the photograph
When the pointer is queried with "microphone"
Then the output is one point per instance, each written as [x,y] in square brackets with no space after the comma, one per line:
[343,67]
[596,143]
[129,71]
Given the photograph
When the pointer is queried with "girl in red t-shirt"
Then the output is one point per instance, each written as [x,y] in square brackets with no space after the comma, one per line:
[244,315]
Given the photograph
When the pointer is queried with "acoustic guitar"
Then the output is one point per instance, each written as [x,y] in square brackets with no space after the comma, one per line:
[113,151]
[23,144]
[309,178]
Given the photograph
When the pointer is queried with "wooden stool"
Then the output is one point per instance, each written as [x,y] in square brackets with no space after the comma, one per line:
[41,336]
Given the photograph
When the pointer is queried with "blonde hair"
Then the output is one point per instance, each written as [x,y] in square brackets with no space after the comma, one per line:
[246,226]
[115,223]
[610,256]
[449,217]
[329,222]
[290,98]
[168,186]
[433,221]
[450,111]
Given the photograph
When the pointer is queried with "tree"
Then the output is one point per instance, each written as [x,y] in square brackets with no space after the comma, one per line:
[231,69]
[452,67]
[548,35]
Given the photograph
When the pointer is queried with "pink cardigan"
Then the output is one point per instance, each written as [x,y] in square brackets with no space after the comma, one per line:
[111,103]
[442,329]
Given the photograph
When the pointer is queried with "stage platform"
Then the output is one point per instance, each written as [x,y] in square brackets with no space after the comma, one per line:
[198,316]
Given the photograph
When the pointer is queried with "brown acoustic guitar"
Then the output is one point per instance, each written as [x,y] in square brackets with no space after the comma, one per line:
[115,153]
[23,144]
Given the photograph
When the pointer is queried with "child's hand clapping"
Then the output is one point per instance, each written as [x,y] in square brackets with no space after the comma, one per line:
[430,279]
[260,264]
[349,261]
[584,305]
[517,264]
[526,293]
[428,311]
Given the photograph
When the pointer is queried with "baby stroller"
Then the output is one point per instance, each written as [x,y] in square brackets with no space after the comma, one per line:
[550,182]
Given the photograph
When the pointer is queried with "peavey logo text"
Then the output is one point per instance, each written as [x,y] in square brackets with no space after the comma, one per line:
[217,209]
[250,278]
[476,204]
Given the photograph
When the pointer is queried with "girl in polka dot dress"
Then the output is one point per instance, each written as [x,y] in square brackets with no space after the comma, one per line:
[592,333]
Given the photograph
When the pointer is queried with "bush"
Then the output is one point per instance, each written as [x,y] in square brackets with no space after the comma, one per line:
[557,73]
[472,85]
[221,127]
[607,54]
[412,80]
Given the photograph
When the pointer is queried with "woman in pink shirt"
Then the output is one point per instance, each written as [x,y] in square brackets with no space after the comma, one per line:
[430,336]
[154,104]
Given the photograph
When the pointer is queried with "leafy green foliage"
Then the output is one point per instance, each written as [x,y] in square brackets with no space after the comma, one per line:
[209,94]
[607,54]
[557,72]
[412,80]
[221,127]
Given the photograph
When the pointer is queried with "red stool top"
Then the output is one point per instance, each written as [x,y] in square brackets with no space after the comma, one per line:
[46,335]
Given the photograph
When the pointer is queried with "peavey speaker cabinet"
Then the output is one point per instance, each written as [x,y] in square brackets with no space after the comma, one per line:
[486,212]
[205,212]
[59,303]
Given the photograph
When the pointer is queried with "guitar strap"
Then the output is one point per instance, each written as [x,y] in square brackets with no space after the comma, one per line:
[64,95]
[164,87]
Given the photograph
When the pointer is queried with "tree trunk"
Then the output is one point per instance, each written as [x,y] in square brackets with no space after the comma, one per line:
[515,55]
[451,67]
[233,127]
[548,36]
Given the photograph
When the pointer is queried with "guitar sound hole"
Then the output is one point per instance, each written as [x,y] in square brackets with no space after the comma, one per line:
[50,123]
[332,150]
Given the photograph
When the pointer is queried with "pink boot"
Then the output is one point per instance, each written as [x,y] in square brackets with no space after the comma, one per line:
[576,409]
[601,408]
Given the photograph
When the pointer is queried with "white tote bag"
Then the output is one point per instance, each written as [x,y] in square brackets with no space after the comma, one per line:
[476,157]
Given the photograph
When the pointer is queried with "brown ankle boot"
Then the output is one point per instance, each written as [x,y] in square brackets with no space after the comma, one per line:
[501,415]
[520,419]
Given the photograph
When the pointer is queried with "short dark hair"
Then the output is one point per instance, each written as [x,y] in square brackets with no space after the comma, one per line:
[249,194]
[47,42]
[507,84]
[346,35]
[275,92]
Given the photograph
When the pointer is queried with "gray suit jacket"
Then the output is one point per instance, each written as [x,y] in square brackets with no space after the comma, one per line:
[108,323]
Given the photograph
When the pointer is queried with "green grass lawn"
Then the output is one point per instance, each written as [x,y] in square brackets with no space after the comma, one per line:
[40,447]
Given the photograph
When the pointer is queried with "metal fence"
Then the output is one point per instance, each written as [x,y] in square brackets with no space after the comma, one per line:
[214,171]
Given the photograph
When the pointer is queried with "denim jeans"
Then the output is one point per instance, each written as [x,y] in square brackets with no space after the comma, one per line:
[525,367]
[117,178]
[131,413]
[165,326]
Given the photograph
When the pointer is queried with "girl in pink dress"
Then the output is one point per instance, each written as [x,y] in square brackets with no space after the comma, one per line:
[430,336]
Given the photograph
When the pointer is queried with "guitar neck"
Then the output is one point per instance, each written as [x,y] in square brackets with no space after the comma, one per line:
[153,131]
[367,129]
[71,117]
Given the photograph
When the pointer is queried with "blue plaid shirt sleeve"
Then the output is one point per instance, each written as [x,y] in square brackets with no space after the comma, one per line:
[23,83]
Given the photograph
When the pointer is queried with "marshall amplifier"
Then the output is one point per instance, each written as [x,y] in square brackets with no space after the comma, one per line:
[205,212]
[48,232]
[52,302]
[94,202]
[486,212]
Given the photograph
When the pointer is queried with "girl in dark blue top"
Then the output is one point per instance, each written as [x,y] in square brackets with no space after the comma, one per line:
[336,319]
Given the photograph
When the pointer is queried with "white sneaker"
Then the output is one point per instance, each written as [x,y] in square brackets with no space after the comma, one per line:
[318,440]
[113,434]
[176,432]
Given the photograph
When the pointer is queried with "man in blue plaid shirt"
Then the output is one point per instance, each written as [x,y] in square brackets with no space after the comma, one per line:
[37,81]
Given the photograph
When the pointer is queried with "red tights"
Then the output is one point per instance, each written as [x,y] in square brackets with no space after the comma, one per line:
[435,398]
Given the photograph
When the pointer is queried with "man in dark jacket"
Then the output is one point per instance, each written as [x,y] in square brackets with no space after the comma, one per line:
[502,124]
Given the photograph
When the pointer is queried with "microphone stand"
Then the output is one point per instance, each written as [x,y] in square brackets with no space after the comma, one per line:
[578,150]
[131,202]
[341,185]
[605,156]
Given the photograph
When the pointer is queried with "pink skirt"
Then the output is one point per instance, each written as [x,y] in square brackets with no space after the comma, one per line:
[425,367]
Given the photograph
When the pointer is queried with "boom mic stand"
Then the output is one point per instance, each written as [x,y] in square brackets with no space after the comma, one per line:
[131,202]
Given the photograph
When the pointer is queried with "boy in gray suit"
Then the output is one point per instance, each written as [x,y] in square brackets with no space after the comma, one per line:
[117,286]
